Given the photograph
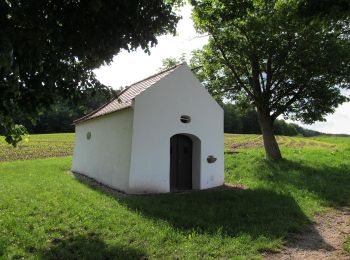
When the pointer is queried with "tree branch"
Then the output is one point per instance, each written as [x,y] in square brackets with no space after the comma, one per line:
[286,93]
[229,65]
[255,74]
[284,57]
[269,73]
[281,109]
[222,91]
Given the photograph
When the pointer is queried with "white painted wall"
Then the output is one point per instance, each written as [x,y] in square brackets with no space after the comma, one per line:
[106,156]
[157,114]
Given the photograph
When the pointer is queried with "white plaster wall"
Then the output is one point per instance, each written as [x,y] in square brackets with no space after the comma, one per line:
[106,156]
[157,114]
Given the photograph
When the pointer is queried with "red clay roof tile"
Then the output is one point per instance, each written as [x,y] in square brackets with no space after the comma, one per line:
[124,99]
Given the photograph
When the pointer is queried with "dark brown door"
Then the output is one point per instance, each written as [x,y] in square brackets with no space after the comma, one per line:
[180,163]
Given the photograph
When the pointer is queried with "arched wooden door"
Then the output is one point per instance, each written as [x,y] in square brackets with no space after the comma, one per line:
[180,162]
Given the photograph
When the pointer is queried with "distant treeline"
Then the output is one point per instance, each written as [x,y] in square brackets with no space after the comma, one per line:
[238,122]
[62,114]
[59,119]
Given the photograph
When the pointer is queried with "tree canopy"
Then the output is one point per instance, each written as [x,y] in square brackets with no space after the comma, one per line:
[262,53]
[324,8]
[169,62]
[48,49]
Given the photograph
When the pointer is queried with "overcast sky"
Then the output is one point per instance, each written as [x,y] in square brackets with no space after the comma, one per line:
[127,68]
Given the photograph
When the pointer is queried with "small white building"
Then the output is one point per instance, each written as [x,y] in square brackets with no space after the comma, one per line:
[161,134]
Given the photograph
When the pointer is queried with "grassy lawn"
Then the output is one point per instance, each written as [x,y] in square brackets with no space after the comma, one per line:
[45,212]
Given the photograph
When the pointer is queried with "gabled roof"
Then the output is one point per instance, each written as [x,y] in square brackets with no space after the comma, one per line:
[124,99]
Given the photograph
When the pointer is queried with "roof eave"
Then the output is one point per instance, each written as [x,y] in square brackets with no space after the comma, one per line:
[83,120]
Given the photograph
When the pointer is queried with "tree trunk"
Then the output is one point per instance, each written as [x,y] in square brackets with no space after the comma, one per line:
[271,146]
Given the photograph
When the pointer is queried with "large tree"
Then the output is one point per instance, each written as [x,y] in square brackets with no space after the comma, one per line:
[48,49]
[261,53]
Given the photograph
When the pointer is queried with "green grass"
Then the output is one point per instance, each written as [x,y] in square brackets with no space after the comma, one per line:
[347,245]
[318,175]
[38,146]
[45,212]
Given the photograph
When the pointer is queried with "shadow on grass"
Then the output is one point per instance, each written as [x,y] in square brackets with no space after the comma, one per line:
[90,246]
[231,212]
[2,249]
[257,213]
[331,184]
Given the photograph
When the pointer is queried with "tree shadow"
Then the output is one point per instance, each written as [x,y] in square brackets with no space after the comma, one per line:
[257,213]
[230,212]
[89,246]
[2,250]
[308,240]
[331,184]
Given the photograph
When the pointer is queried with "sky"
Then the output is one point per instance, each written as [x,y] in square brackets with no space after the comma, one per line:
[129,67]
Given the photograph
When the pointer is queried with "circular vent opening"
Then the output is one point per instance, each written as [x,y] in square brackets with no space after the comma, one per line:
[185,119]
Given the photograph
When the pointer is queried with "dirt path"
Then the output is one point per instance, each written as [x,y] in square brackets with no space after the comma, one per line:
[323,240]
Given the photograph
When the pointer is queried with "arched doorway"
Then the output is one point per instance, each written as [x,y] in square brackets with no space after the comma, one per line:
[181,147]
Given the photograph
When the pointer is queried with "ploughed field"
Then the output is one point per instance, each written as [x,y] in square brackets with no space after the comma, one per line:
[38,146]
[46,212]
[235,142]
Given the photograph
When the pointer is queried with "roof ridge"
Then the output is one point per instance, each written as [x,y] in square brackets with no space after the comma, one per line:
[124,90]
[149,77]
[156,74]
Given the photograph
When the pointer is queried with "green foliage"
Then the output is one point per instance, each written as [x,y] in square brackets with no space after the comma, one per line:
[240,122]
[48,49]
[232,119]
[283,128]
[237,121]
[16,134]
[328,9]
[60,116]
[57,216]
[347,245]
[262,54]
[169,62]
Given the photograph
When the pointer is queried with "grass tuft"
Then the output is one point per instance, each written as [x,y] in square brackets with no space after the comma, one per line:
[347,245]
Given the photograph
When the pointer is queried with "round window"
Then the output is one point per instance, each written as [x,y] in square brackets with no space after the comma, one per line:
[185,119]
[88,135]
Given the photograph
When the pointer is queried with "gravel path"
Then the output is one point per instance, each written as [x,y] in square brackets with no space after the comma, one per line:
[323,240]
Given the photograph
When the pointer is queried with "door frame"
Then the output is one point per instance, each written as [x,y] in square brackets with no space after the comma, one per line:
[196,162]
